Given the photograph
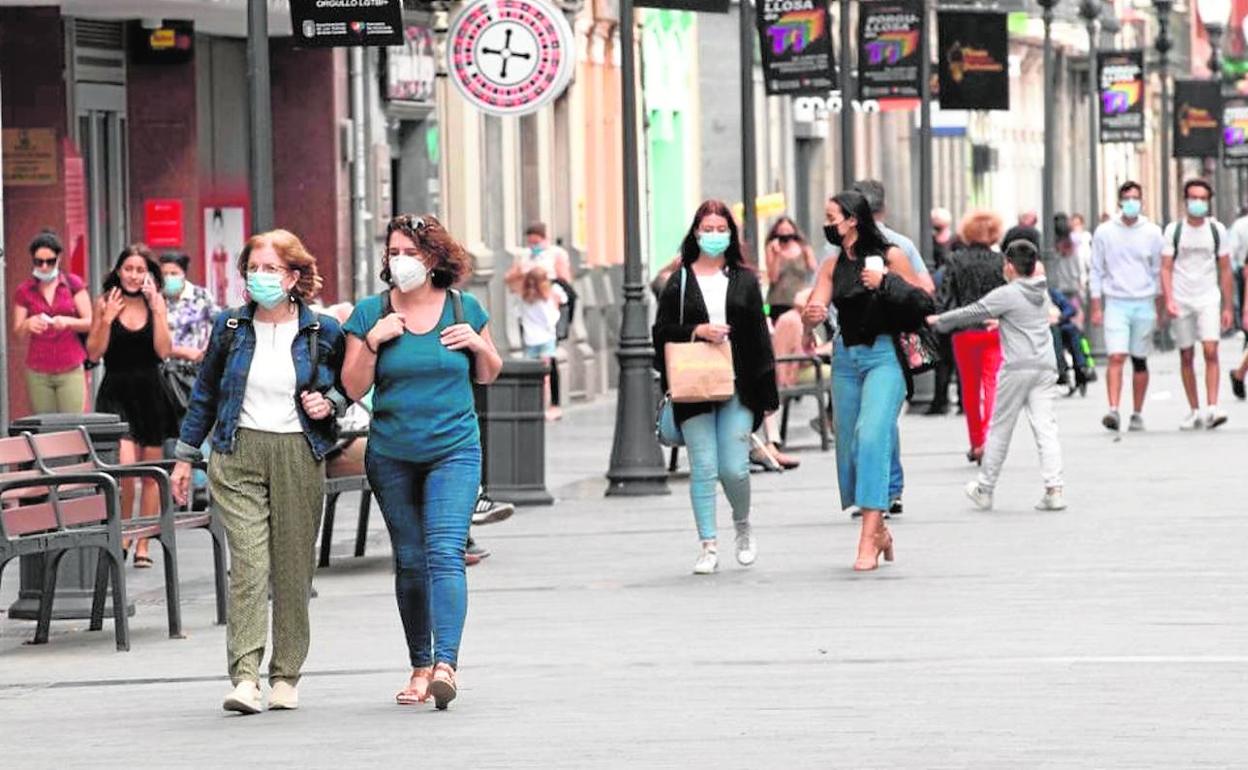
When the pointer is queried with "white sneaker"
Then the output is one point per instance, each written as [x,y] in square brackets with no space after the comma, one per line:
[1137,423]
[1052,500]
[708,560]
[747,548]
[284,697]
[245,698]
[1215,417]
[1192,421]
[980,496]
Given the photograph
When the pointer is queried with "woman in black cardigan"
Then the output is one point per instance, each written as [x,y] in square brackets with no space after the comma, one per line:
[722,300]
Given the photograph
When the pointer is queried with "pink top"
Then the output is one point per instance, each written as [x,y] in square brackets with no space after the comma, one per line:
[52,352]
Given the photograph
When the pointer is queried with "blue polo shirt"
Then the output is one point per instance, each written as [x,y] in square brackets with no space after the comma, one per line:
[423,407]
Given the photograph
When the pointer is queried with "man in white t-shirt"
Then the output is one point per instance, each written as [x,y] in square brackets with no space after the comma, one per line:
[1196,282]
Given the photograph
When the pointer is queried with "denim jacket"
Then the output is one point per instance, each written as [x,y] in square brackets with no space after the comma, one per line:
[217,398]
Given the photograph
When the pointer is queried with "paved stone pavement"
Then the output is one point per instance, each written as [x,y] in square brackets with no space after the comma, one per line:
[1111,635]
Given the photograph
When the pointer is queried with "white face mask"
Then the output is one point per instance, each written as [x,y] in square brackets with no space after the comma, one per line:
[408,272]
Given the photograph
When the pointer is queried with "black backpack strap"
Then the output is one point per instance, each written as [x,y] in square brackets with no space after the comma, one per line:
[1213,229]
[457,312]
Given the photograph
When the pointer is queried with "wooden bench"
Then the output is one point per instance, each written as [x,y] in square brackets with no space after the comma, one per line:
[50,515]
[71,451]
[335,486]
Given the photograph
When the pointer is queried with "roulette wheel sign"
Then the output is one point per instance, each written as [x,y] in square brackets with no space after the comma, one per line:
[510,57]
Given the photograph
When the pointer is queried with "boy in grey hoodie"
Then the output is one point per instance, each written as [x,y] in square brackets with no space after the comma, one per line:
[1028,372]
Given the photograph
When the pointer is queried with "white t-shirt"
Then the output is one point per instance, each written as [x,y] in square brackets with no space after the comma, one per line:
[538,321]
[1195,267]
[270,401]
[714,289]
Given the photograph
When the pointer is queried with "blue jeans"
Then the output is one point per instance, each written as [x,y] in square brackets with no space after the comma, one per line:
[868,389]
[719,450]
[427,508]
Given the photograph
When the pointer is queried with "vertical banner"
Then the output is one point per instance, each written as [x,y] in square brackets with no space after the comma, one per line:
[795,39]
[973,47]
[888,48]
[1120,78]
[1235,132]
[1197,118]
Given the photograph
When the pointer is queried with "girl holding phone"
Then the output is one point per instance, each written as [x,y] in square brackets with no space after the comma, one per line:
[130,331]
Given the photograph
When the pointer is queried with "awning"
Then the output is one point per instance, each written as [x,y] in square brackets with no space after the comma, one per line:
[214,17]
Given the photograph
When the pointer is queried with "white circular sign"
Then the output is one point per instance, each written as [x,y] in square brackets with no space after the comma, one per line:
[510,57]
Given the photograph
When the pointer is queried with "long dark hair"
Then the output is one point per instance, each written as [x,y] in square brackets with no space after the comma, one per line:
[689,249]
[786,220]
[870,240]
[113,279]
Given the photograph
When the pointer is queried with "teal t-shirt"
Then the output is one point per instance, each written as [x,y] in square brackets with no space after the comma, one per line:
[423,406]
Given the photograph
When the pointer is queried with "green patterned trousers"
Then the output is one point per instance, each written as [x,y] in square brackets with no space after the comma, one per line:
[268,493]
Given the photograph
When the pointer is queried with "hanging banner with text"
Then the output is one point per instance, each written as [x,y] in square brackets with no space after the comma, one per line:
[331,23]
[1120,75]
[796,44]
[973,65]
[888,48]
[1235,132]
[1197,119]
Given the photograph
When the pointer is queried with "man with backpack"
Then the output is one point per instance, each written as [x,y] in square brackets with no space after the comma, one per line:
[1196,281]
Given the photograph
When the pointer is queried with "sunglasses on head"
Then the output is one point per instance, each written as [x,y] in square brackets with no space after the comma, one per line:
[44,262]
[409,221]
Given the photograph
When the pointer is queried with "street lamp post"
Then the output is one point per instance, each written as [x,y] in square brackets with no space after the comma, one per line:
[259,98]
[1214,15]
[1089,10]
[1163,44]
[847,99]
[1050,129]
[636,460]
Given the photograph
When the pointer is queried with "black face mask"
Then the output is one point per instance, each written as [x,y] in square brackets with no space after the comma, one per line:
[832,234]
[128,293]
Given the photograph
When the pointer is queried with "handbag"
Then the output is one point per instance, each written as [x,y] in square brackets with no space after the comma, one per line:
[665,426]
[918,351]
[178,376]
[698,371]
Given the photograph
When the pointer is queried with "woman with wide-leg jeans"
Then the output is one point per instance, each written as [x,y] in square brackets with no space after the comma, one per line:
[714,296]
[419,344]
[869,282]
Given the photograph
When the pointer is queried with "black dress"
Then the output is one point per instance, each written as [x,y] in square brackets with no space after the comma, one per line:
[132,387]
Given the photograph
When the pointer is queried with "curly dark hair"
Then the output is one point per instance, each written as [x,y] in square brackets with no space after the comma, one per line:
[452,262]
[113,279]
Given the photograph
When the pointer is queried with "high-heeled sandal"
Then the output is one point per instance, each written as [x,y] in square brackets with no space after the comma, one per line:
[417,690]
[442,687]
[975,455]
[882,545]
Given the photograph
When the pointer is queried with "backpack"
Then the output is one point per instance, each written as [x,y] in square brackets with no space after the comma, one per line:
[1178,231]
[457,313]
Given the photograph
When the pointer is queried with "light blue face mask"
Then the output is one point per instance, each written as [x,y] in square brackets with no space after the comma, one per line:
[1197,208]
[1131,207]
[714,244]
[266,289]
[174,285]
[45,276]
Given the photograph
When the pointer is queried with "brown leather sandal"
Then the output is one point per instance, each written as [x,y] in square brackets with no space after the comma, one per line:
[443,688]
[417,690]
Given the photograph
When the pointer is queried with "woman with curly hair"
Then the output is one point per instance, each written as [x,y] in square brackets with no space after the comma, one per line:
[268,392]
[419,345]
[969,275]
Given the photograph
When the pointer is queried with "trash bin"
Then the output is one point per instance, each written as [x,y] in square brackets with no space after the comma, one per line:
[76,577]
[513,434]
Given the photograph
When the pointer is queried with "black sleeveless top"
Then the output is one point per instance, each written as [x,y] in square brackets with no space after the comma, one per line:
[860,311]
[130,349]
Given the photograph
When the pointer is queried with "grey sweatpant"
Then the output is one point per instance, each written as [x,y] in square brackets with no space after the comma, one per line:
[1033,391]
